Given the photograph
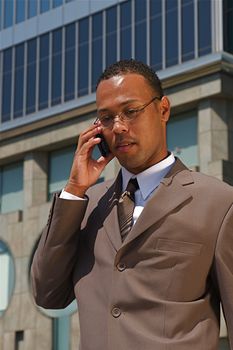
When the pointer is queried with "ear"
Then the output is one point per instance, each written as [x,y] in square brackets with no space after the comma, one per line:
[165,109]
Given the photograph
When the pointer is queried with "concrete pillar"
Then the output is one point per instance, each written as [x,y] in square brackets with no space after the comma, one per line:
[35,179]
[215,132]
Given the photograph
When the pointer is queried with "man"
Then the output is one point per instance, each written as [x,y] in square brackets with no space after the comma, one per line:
[157,285]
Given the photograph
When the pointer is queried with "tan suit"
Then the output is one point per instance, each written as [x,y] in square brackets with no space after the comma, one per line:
[161,288]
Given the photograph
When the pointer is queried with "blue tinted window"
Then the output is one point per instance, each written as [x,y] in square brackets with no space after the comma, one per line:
[44,71]
[97,45]
[111,35]
[31,76]
[20,11]
[8,13]
[83,57]
[60,162]
[70,41]
[19,81]
[182,138]
[1,14]
[228,25]
[204,27]
[32,8]
[126,30]
[57,3]
[6,85]
[156,34]
[140,30]
[56,66]
[187,13]
[12,187]
[7,273]
[44,5]
[171,32]
[61,333]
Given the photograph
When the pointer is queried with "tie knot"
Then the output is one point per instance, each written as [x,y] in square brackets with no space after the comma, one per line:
[132,187]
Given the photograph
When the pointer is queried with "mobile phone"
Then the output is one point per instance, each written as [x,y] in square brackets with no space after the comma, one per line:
[103,146]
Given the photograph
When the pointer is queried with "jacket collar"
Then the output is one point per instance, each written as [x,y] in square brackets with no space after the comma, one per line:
[171,193]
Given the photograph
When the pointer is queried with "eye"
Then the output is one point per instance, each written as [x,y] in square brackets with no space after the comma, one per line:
[130,113]
[106,119]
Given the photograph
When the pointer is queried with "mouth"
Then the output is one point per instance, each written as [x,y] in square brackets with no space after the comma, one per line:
[124,146]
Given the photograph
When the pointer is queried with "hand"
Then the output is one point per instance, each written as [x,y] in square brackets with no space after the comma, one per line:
[85,170]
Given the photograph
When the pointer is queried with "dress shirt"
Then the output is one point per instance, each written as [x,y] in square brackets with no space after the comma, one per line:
[148,181]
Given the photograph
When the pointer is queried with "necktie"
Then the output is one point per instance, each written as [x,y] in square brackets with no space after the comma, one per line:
[126,207]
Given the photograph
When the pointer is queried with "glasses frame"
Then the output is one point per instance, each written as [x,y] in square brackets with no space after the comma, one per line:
[123,117]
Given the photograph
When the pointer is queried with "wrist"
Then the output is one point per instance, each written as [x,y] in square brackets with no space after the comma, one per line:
[75,189]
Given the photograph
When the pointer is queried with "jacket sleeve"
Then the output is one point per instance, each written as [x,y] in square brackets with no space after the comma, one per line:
[56,254]
[224,270]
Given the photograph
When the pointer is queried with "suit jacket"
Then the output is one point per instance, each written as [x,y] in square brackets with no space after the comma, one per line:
[158,290]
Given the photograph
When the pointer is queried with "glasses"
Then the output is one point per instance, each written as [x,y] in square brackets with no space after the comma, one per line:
[128,115]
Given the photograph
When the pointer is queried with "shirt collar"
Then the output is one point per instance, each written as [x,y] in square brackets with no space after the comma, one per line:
[150,178]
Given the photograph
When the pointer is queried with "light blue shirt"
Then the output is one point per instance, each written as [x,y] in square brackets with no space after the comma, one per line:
[148,181]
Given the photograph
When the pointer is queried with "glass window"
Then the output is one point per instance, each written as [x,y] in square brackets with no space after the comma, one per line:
[228,25]
[44,5]
[61,333]
[182,138]
[187,20]
[111,35]
[7,273]
[32,8]
[171,32]
[126,30]
[20,11]
[6,84]
[57,3]
[56,66]
[19,81]
[60,162]
[70,40]
[8,13]
[204,27]
[97,48]
[31,76]
[1,3]
[44,71]
[83,56]
[156,34]
[140,30]
[11,187]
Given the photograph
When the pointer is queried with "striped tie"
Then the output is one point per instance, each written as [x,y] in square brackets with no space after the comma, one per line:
[126,207]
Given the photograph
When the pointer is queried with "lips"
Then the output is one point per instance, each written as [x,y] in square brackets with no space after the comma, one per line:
[124,146]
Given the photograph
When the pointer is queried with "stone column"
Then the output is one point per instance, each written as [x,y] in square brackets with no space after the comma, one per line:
[215,134]
[35,179]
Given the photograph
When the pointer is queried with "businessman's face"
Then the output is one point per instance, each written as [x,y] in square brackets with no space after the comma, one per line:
[140,141]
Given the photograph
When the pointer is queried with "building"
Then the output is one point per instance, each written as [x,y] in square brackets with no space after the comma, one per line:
[51,53]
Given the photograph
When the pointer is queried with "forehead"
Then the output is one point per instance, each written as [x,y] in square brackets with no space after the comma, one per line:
[122,87]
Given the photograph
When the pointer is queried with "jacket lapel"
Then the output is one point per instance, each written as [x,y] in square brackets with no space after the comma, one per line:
[110,222]
[170,194]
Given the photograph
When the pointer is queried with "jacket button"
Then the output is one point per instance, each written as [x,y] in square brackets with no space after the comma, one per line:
[121,266]
[116,312]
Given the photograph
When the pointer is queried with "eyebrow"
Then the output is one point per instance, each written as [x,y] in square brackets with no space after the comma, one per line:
[121,104]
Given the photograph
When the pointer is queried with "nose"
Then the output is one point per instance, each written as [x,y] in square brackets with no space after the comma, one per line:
[119,126]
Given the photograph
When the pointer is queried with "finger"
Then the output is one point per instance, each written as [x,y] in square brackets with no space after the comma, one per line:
[105,160]
[87,147]
[88,134]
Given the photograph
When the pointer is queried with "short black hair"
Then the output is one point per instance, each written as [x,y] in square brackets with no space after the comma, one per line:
[133,66]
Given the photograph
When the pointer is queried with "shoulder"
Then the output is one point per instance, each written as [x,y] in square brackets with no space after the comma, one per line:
[211,190]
